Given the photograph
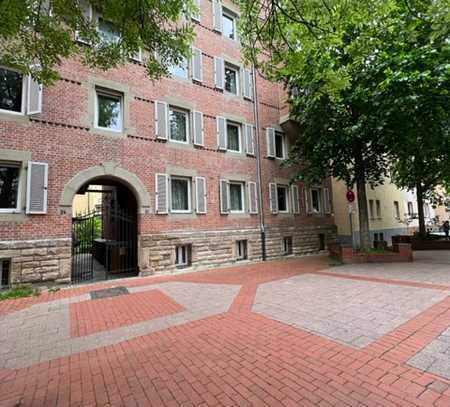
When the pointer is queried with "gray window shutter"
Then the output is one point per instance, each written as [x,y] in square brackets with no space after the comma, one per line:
[252,197]
[217,15]
[221,133]
[326,200]
[197,70]
[224,197]
[248,84]
[308,207]
[295,199]
[37,188]
[196,16]
[200,194]
[161,120]
[273,198]
[198,129]
[34,96]
[219,73]
[270,135]
[161,193]
[249,139]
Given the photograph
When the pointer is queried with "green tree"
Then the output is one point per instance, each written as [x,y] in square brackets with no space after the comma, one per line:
[41,33]
[330,55]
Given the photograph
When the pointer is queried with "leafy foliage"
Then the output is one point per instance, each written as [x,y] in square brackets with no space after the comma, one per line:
[368,84]
[42,32]
[19,292]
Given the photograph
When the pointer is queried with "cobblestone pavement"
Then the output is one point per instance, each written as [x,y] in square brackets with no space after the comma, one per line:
[280,333]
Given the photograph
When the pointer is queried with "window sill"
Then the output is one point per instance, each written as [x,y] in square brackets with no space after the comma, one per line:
[110,133]
[13,116]
[16,217]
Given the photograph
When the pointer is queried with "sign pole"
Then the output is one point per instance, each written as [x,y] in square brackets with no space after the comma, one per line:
[350,195]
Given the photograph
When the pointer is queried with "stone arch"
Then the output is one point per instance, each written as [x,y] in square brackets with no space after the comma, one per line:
[110,170]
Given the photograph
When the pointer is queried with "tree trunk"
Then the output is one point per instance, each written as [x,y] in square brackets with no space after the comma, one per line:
[420,212]
[363,213]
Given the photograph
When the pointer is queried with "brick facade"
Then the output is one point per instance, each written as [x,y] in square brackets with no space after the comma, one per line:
[64,136]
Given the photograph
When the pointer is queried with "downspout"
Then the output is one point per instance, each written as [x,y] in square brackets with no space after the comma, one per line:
[258,166]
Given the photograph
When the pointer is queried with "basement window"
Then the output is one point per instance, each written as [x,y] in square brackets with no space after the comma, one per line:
[287,245]
[183,255]
[4,272]
[241,250]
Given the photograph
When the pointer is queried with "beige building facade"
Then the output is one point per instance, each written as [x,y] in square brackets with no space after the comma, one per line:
[392,211]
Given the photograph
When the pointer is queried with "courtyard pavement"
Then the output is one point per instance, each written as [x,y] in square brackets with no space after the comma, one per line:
[296,332]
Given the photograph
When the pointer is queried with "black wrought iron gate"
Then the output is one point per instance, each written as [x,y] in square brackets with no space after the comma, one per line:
[104,244]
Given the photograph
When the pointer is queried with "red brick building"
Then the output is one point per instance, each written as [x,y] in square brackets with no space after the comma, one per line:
[194,160]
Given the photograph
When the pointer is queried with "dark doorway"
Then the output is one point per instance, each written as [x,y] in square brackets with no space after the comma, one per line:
[322,245]
[104,232]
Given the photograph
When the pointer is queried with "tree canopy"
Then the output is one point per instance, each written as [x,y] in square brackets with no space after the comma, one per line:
[41,33]
[348,66]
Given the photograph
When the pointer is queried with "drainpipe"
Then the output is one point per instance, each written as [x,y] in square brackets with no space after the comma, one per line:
[258,166]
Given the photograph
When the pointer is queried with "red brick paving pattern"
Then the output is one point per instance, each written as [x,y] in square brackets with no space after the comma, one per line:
[89,317]
[239,359]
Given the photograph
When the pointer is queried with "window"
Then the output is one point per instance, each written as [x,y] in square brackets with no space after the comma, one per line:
[12,91]
[410,209]
[179,125]
[109,114]
[229,24]
[397,209]
[4,273]
[107,32]
[9,187]
[287,245]
[241,250]
[426,210]
[315,200]
[183,256]
[233,137]
[371,209]
[378,206]
[231,79]
[279,145]
[180,189]
[282,198]
[180,70]
[236,196]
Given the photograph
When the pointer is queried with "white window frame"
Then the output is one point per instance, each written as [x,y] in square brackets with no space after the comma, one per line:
[238,78]
[239,127]
[187,114]
[24,93]
[97,22]
[286,188]
[189,183]
[186,62]
[232,16]
[283,143]
[241,249]
[242,185]
[114,94]
[319,200]
[179,253]
[17,165]
[397,213]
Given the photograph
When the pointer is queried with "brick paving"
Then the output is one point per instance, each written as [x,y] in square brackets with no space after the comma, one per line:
[217,351]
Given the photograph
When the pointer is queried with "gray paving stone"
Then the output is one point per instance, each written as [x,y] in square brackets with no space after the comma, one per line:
[352,312]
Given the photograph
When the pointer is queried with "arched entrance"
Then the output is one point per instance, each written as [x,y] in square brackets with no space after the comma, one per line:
[104,231]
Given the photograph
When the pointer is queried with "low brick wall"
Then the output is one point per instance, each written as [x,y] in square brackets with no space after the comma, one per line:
[430,244]
[401,252]
[38,261]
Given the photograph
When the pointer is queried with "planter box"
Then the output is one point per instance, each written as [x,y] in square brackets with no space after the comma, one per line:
[401,252]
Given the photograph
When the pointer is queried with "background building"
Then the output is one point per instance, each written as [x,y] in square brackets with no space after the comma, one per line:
[190,178]
[392,211]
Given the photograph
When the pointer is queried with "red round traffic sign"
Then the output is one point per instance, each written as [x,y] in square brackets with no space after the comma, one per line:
[350,196]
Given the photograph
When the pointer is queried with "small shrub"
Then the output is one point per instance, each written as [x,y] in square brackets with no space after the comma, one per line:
[19,292]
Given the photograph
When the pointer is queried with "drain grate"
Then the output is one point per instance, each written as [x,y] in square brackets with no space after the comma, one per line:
[108,292]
